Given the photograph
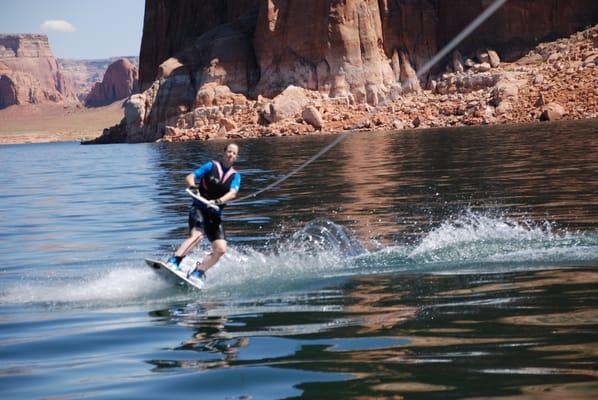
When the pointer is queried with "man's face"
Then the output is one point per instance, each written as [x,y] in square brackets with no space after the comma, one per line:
[231,153]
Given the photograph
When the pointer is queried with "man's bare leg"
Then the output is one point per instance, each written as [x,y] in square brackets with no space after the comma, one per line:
[218,250]
[194,237]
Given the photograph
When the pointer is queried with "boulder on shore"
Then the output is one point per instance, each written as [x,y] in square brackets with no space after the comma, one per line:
[312,116]
[286,105]
[552,112]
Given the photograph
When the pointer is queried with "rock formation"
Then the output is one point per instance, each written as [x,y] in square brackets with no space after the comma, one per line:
[347,55]
[83,74]
[120,81]
[29,73]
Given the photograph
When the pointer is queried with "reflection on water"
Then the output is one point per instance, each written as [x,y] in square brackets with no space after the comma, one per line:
[401,335]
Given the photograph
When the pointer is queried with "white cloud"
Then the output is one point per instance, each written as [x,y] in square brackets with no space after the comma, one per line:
[57,25]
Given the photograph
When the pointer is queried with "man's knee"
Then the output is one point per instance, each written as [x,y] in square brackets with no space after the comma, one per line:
[219,248]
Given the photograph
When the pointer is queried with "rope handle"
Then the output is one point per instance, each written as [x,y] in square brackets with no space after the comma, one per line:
[202,199]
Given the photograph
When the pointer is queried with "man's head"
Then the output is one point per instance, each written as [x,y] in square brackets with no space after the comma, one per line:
[231,151]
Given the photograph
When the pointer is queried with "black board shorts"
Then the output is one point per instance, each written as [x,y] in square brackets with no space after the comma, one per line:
[209,221]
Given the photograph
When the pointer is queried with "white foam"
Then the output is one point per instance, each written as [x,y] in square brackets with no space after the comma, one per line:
[117,284]
[474,228]
[553,254]
[248,269]
[319,252]
[473,238]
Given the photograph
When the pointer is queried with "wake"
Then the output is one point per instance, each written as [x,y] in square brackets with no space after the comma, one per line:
[324,253]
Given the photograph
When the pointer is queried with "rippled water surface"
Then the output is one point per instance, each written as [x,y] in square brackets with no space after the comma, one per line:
[434,264]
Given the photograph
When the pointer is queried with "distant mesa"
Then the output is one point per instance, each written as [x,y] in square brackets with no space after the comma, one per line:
[29,73]
[119,82]
[84,74]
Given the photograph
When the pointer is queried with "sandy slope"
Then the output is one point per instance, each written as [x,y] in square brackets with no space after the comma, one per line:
[51,122]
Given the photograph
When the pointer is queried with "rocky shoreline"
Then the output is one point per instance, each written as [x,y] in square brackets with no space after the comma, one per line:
[555,80]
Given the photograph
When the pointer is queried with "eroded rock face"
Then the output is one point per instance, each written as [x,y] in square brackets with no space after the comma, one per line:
[29,73]
[84,74]
[517,26]
[119,82]
[328,46]
[171,27]
[359,51]
[322,29]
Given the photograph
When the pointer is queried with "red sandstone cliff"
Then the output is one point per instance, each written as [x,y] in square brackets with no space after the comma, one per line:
[120,81]
[29,73]
[312,29]
[171,27]
[228,53]
[83,74]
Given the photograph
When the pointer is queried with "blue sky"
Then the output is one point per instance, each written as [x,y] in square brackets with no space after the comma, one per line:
[79,29]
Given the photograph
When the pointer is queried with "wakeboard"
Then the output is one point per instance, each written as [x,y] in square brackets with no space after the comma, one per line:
[172,276]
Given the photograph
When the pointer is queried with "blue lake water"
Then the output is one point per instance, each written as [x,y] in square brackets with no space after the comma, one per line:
[455,263]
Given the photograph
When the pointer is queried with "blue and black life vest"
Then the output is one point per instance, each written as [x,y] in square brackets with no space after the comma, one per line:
[216,183]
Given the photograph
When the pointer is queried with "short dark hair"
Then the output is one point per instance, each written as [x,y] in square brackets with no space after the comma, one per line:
[231,143]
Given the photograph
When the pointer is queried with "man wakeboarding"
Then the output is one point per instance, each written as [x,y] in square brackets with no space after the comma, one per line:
[218,182]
